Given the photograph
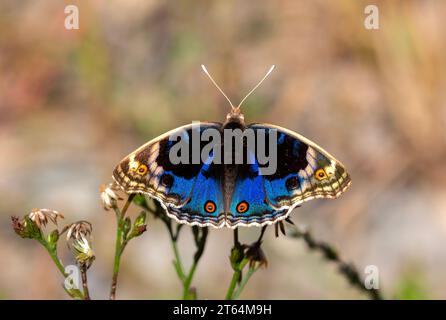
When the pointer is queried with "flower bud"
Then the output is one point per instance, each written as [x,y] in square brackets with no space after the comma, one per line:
[140,220]
[53,237]
[26,228]
[139,226]
[109,197]
[126,226]
[236,256]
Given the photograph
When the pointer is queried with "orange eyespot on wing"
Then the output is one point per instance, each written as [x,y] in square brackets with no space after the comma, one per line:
[210,206]
[142,169]
[320,174]
[242,207]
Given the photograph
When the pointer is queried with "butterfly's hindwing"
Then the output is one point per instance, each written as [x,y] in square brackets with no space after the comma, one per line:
[205,205]
[249,204]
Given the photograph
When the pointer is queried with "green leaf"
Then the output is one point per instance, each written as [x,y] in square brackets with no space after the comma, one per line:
[140,220]
[141,201]
[52,239]
[236,257]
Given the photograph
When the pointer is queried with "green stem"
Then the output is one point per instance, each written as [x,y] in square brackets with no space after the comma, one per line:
[188,281]
[54,257]
[177,263]
[235,279]
[53,254]
[245,280]
[119,245]
[185,280]
[116,263]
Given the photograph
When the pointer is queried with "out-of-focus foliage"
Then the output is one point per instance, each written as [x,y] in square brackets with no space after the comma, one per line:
[412,286]
[73,103]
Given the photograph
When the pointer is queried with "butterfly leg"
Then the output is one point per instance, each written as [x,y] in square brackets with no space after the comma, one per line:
[281,225]
[262,232]
[236,241]
[255,253]
[277,226]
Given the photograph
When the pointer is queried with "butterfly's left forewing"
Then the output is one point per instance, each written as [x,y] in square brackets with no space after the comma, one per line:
[190,192]
[304,171]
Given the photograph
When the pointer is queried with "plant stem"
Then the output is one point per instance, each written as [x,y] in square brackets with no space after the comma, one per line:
[116,263]
[235,279]
[235,264]
[53,254]
[177,262]
[119,245]
[52,251]
[245,280]
[85,282]
[241,255]
[55,258]
[186,279]
[232,285]
[187,282]
[200,236]
[347,270]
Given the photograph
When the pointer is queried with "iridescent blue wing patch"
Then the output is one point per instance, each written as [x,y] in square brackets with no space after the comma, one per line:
[304,171]
[204,206]
[249,205]
[190,192]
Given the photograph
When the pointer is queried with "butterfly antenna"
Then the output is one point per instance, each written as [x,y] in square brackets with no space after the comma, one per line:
[258,84]
[215,84]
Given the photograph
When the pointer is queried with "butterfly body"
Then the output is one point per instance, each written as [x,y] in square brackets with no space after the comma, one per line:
[210,193]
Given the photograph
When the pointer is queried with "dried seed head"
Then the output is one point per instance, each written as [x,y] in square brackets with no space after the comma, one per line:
[78,230]
[109,196]
[41,217]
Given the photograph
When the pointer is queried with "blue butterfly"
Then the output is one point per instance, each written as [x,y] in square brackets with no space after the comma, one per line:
[209,193]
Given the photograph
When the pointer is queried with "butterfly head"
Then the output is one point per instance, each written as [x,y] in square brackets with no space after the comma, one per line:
[235,116]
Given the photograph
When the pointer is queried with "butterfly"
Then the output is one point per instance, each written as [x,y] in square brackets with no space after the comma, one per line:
[211,193]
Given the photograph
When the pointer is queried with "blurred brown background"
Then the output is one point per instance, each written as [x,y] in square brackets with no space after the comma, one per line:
[74,102]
